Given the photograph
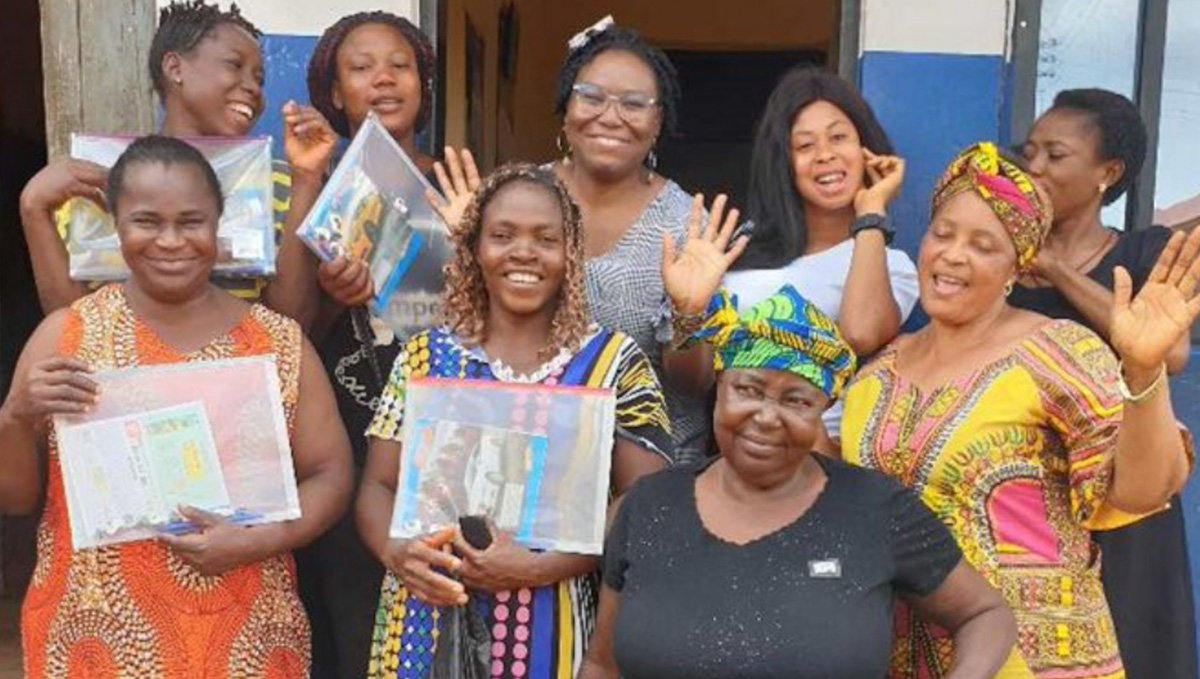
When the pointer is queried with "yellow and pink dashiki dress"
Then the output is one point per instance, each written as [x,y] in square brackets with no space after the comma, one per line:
[1014,457]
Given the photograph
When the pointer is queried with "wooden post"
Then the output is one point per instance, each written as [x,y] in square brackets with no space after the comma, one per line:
[94,60]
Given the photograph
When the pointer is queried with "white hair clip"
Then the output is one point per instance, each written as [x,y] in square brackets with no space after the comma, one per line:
[585,36]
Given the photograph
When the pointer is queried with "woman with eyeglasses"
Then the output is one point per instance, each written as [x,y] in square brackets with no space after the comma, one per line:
[617,96]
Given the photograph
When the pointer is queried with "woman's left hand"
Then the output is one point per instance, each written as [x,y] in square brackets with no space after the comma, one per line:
[218,546]
[692,278]
[503,566]
[1145,327]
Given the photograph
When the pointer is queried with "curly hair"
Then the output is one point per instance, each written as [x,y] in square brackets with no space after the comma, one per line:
[181,27]
[322,67]
[623,40]
[466,302]
[1119,124]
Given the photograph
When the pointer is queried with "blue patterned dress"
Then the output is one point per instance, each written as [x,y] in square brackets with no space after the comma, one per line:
[538,633]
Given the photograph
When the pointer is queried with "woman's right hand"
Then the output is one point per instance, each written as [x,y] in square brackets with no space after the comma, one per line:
[348,281]
[309,141]
[414,561]
[63,180]
[459,185]
[55,386]
[887,176]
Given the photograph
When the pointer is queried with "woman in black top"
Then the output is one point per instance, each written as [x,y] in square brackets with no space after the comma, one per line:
[1085,151]
[770,561]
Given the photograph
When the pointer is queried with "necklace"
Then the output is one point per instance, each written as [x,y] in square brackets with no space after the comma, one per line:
[1082,267]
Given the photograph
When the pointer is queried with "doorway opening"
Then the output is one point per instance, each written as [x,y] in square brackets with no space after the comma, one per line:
[501,63]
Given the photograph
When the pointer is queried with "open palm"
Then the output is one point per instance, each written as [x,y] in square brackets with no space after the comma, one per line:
[1145,327]
[458,178]
[693,276]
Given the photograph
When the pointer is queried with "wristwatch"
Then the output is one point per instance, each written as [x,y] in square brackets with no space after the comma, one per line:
[874,221]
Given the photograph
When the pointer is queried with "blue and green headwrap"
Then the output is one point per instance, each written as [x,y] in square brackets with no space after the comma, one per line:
[784,332]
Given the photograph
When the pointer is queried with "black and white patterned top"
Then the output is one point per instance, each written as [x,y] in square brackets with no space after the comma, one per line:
[625,293]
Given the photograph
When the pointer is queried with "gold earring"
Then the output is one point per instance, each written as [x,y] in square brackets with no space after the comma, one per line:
[1008,288]
[1103,188]
[564,147]
[178,80]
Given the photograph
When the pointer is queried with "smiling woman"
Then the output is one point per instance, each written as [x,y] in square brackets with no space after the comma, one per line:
[206,66]
[1025,433]
[222,599]
[516,312]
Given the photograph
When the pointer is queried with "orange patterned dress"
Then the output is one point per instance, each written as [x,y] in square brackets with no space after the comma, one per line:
[137,610]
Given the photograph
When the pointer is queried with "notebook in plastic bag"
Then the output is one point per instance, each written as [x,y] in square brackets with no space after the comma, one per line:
[374,209]
[533,459]
[246,234]
[209,434]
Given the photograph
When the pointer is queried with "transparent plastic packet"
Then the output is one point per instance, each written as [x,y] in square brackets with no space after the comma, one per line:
[374,209]
[534,460]
[246,235]
[240,403]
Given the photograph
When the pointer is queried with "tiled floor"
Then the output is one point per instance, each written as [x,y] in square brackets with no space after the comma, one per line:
[10,639]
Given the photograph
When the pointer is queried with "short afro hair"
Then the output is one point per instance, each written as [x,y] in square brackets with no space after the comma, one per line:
[322,68]
[159,150]
[1122,131]
[181,27]
[624,40]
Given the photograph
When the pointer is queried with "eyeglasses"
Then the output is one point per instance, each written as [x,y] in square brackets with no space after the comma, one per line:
[592,101]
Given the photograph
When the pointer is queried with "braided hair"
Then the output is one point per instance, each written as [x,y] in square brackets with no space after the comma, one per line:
[466,301]
[624,40]
[322,68]
[1120,127]
[181,27]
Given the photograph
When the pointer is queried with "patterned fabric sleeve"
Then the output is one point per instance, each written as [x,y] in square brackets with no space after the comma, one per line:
[412,361]
[641,407]
[1078,376]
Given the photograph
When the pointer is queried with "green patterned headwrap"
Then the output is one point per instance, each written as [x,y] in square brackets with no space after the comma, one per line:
[784,332]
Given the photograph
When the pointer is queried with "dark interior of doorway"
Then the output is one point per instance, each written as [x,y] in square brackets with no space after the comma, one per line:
[724,97]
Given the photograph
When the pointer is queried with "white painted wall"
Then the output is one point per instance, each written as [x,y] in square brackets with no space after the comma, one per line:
[978,27]
[312,17]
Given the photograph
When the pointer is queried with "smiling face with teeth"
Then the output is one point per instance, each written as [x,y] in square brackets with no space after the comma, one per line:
[215,89]
[966,260]
[607,145]
[827,157]
[522,251]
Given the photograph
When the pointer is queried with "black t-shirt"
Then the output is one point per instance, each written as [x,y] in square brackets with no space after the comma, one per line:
[1137,251]
[810,600]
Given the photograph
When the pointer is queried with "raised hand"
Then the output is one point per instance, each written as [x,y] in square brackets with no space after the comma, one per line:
[887,175]
[458,179]
[1145,327]
[63,180]
[309,142]
[691,278]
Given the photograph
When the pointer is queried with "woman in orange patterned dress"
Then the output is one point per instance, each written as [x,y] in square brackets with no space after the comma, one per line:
[220,602]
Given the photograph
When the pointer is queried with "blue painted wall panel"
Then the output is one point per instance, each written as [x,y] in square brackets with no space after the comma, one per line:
[285,60]
[932,106]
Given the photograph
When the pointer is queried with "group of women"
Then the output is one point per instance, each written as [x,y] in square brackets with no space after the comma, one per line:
[857,504]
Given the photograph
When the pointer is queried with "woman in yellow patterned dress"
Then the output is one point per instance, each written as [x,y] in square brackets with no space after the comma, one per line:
[1020,432]
[219,602]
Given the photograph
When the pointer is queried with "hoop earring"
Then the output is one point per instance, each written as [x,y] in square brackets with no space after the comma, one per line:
[564,147]
[1008,288]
